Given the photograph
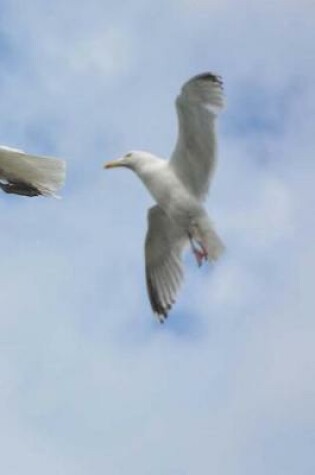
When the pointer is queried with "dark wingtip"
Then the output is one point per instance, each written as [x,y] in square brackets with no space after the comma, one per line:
[161,317]
[19,188]
[157,307]
[208,76]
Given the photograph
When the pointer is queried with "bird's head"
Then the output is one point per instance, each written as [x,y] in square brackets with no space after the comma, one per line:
[134,160]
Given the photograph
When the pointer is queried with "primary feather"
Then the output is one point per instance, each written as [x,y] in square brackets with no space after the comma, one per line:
[164,244]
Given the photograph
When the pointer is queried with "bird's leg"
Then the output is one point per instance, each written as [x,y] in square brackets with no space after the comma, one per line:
[199,254]
[204,250]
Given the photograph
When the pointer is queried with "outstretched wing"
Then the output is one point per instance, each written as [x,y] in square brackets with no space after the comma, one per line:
[30,175]
[194,157]
[164,244]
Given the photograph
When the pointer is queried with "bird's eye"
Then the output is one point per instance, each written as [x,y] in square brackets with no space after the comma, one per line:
[128,155]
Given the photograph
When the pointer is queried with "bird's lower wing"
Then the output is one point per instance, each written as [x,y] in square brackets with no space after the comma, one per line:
[164,244]
[44,174]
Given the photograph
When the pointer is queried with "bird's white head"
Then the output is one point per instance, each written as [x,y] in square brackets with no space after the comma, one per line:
[134,160]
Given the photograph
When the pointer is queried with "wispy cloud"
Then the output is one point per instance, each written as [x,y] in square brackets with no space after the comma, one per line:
[89,381]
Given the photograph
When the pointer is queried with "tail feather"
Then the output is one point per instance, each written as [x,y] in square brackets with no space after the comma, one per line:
[45,174]
[206,234]
[214,245]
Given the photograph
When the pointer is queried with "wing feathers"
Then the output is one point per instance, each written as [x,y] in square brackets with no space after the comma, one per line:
[163,247]
[194,157]
[43,174]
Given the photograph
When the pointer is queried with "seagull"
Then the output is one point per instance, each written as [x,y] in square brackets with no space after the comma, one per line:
[179,187]
[30,175]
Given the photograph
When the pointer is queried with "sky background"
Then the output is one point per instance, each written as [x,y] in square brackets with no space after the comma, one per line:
[89,381]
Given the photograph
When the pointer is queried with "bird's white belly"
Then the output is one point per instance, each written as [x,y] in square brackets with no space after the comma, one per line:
[171,195]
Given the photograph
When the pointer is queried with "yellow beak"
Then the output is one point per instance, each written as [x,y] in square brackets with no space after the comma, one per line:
[113,164]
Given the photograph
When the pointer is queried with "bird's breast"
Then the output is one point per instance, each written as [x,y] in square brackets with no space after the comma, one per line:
[170,194]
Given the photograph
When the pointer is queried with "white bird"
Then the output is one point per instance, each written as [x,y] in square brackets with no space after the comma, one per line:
[179,188]
[30,175]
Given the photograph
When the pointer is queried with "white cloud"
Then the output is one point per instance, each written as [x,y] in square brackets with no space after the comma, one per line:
[90,382]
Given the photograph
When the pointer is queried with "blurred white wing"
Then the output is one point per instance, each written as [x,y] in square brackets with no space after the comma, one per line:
[42,174]
[194,157]
[164,244]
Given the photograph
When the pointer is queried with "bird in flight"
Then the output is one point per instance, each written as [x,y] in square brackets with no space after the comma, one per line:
[179,187]
[30,175]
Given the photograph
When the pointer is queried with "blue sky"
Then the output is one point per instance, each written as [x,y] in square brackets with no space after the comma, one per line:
[90,383]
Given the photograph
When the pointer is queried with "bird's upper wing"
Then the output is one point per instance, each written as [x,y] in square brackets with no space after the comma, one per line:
[164,244]
[44,173]
[193,159]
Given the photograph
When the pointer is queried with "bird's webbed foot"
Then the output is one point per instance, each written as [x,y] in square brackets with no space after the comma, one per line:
[198,250]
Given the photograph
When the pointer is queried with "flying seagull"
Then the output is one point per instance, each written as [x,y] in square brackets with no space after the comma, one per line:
[30,175]
[179,188]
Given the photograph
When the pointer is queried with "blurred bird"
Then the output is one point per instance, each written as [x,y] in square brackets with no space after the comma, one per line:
[179,188]
[30,175]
